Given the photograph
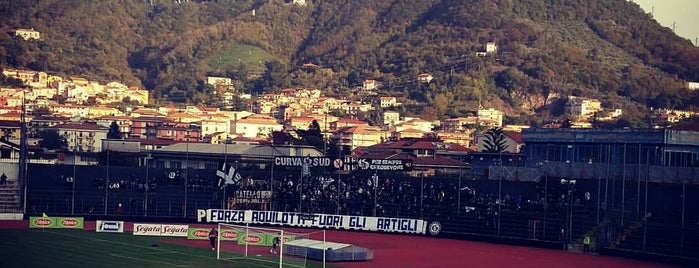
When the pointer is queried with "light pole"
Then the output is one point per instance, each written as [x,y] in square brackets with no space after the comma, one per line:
[146,187]
[186,176]
[500,201]
[106,182]
[72,182]
[545,166]
[571,187]
[599,188]
[422,195]
[375,178]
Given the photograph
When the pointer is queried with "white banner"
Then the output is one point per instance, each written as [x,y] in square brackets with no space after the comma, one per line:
[160,229]
[400,225]
[109,227]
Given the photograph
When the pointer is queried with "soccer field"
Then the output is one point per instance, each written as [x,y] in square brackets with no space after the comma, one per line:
[80,248]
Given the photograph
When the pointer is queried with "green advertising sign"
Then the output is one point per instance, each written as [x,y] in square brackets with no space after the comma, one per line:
[56,222]
[198,233]
[229,235]
[74,223]
[42,222]
[257,239]
[270,239]
[203,234]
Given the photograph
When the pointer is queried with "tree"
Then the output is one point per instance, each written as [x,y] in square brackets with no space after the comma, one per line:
[41,111]
[51,140]
[114,132]
[495,141]
[313,136]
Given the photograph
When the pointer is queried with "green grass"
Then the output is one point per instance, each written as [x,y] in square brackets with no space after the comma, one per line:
[79,248]
[253,57]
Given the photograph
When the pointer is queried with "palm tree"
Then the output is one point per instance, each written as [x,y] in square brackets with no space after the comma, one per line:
[495,141]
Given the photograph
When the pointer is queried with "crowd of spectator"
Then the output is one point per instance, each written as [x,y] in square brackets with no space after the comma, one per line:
[406,197]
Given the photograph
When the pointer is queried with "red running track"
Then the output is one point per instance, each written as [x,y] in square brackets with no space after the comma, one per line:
[393,250]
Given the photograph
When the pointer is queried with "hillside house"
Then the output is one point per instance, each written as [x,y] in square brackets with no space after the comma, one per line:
[27,34]
[582,107]
[391,118]
[82,137]
[491,47]
[424,77]
[255,126]
[387,101]
[490,117]
[370,84]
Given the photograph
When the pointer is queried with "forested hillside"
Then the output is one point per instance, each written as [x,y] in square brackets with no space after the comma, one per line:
[605,49]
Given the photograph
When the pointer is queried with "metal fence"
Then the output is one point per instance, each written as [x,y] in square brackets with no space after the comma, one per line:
[621,207]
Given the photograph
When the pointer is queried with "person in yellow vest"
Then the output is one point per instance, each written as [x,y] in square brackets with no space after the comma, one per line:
[586,244]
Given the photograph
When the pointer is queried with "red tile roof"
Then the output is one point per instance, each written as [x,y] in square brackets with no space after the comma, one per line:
[515,136]
[79,126]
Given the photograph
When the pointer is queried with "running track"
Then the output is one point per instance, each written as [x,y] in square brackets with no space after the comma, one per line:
[392,250]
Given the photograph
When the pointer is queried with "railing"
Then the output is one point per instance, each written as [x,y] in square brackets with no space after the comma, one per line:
[530,211]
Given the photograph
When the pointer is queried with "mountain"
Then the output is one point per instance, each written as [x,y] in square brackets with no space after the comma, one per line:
[547,49]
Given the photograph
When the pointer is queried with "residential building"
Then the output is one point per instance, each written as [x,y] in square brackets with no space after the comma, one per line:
[124,123]
[346,122]
[255,126]
[219,81]
[145,127]
[582,107]
[351,137]
[184,117]
[27,34]
[71,110]
[391,118]
[301,122]
[491,47]
[490,117]
[99,111]
[461,138]
[416,123]
[407,133]
[210,126]
[515,128]
[370,84]
[387,101]
[82,137]
[425,77]
[425,154]
[178,131]
[9,129]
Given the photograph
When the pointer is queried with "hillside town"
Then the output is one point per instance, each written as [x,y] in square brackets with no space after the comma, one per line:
[76,107]
[561,126]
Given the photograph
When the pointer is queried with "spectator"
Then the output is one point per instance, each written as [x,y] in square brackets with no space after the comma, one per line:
[213,235]
[586,244]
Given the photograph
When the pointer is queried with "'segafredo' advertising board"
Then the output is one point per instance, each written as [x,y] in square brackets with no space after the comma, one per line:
[400,225]
[56,222]
[154,229]
[109,227]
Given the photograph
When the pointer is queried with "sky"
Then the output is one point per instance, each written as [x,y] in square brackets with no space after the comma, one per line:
[682,12]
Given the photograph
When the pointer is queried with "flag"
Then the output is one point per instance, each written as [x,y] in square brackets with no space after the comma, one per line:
[227,175]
